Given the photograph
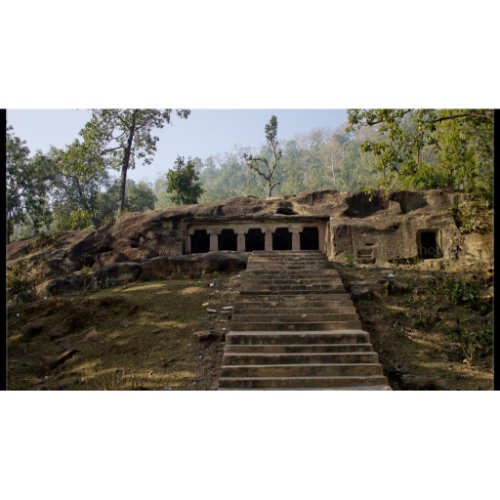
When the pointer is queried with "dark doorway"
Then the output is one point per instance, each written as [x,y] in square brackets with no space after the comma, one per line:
[227,240]
[200,241]
[282,239]
[427,245]
[254,240]
[309,238]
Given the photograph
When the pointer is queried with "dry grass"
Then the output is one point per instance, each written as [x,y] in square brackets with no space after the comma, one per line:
[415,331]
[144,337]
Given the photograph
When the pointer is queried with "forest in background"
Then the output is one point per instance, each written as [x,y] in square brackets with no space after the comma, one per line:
[76,187]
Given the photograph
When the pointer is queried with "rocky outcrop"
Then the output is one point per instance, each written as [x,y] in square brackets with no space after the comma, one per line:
[158,268]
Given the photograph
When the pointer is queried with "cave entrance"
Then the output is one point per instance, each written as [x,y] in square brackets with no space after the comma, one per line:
[254,240]
[309,238]
[427,245]
[227,240]
[200,241]
[282,239]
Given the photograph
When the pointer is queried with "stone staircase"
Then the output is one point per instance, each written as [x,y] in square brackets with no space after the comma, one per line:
[295,327]
[365,255]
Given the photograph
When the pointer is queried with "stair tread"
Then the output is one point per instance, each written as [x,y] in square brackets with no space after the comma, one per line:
[283,354]
[295,365]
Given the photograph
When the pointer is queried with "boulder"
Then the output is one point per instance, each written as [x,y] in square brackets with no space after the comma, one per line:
[116,274]
[108,258]
[361,292]
[206,336]
[59,286]
[91,334]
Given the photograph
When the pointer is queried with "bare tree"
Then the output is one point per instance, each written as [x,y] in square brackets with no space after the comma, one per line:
[266,167]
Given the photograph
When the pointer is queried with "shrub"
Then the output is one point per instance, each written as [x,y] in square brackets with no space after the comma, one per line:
[18,287]
[467,216]
[456,290]
[80,219]
[473,343]
[462,292]
[349,258]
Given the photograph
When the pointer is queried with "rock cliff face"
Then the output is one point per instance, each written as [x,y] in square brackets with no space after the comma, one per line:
[404,226]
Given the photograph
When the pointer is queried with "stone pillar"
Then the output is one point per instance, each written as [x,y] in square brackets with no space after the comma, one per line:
[188,243]
[322,237]
[296,237]
[240,239]
[214,241]
[268,239]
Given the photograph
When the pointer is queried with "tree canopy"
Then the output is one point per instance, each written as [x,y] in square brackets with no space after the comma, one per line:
[28,184]
[182,182]
[125,136]
[79,175]
[430,148]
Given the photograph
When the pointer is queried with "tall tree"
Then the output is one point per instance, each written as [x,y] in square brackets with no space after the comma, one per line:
[27,185]
[183,182]
[127,136]
[266,166]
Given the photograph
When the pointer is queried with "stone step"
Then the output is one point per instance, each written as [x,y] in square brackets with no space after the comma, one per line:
[374,382]
[302,348]
[271,310]
[295,299]
[302,307]
[288,291]
[365,260]
[290,317]
[258,253]
[280,252]
[278,281]
[351,336]
[303,261]
[290,267]
[289,262]
[247,359]
[320,278]
[334,287]
[303,370]
[289,256]
[289,276]
[296,326]
[265,271]
[365,252]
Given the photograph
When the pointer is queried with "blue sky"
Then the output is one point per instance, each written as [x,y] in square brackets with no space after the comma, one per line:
[206,132]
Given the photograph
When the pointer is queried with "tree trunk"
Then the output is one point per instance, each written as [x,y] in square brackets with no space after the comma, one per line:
[125,164]
[83,201]
[333,176]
